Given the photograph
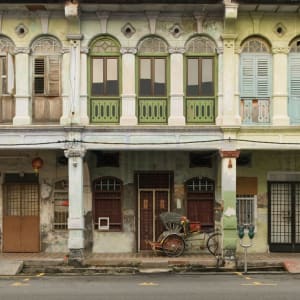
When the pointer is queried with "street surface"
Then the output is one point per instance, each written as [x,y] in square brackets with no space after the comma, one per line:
[154,286]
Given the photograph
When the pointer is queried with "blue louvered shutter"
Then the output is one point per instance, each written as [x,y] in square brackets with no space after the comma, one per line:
[294,87]
[263,79]
[247,73]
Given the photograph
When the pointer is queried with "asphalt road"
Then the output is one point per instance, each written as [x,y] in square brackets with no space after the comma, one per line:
[154,286]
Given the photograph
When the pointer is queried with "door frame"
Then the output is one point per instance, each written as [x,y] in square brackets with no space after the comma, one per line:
[284,247]
[153,190]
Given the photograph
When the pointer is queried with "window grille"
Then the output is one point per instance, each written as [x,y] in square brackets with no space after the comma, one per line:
[61,205]
[246,209]
[105,45]
[200,185]
[153,45]
[201,45]
[255,45]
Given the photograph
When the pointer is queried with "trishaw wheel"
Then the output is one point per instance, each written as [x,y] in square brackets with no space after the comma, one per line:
[173,245]
[213,244]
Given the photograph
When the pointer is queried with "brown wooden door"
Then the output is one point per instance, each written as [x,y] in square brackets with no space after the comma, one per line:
[152,203]
[21,218]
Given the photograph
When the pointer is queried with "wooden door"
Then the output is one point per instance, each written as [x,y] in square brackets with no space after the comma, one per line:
[152,203]
[21,218]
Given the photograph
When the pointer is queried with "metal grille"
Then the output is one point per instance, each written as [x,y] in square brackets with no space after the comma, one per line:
[297,213]
[198,184]
[61,205]
[280,209]
[21,200]
[245,209]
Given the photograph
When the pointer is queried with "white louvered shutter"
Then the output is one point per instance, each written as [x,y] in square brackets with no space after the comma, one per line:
[263,69]
[247,79]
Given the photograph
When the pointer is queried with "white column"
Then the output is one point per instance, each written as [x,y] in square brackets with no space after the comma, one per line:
[84,118]
[219,118]
[280,89]
[128,117]
[23,99]
[76,206]
[176,117]
[75,78]
[66,88]
[230,110]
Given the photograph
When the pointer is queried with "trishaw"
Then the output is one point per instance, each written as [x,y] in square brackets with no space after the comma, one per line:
[180,232]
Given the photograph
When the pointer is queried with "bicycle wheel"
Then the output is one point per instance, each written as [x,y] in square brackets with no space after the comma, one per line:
[213,244]
[173,245]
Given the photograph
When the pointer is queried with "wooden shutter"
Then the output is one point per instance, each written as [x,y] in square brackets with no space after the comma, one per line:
[39,75]
[10,74]
[53,76]
[263,68]
[294,86]
[247,76]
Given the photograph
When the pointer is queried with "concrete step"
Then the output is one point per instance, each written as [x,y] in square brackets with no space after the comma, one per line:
[10,267]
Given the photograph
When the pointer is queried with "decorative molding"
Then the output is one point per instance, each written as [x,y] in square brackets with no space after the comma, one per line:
[22,50]
[229,153]
[84,50]
[75,152]
[176,50]
[200,17]
[231,9]
[103,17]
[256,18]
[65,50]
[1,18]
[21,30]
[152,17]
[220,50]
[280,50]
[44,15]
[75,37]
[128,50]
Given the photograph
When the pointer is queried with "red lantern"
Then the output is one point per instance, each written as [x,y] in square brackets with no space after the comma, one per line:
[37,163]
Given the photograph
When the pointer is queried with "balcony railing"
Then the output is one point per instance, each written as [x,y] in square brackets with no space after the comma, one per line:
[255,111]
[200,110]
[153,110]
[105,110]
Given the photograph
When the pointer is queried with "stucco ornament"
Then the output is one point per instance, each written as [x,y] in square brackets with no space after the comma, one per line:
[230,212]
[46,190]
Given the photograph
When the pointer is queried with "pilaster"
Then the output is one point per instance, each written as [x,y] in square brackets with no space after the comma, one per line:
[176,117]
[128,117]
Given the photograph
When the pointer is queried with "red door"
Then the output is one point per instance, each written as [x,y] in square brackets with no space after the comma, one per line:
[152,203]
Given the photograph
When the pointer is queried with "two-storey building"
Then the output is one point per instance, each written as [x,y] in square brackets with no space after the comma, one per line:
[112,112]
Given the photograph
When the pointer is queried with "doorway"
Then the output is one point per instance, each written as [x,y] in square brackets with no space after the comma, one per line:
[284,216]
[154,193]
[21,217]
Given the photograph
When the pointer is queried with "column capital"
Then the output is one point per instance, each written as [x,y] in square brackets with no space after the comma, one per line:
[176,50]
[75,152]
[22,50]
[229,153]
[128,50]
[280,50]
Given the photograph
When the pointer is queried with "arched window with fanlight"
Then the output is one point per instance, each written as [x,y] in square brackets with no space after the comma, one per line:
[294,81]
[107,195]
[201,79]
[7,80]
[255,81]
[104,82]
[46,86]
[152,83]
[200,195]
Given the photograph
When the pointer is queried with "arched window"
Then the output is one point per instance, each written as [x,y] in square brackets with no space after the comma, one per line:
[200,201]
[200,80]
[294,81]
[105,82]
[107,193]
[255,81]
[46,66]
[152,85]
[7,79]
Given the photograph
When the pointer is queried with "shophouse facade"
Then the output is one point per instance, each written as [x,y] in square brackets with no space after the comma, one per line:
[112,112]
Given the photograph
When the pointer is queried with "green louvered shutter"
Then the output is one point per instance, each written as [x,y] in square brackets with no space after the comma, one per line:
[294,87]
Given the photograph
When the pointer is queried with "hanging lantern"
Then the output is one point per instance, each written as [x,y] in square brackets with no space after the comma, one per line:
[37,163]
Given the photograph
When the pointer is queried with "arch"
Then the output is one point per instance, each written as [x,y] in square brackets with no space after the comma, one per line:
[295,45]
[153,44]
[255,44]
[105,44]
[201,44]
[6,45]
[46,44]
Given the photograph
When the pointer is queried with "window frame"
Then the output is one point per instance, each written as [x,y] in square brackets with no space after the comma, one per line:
[3,65]
[65,203]
[113,226]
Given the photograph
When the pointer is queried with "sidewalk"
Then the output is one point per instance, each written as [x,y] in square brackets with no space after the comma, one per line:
[50,263]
